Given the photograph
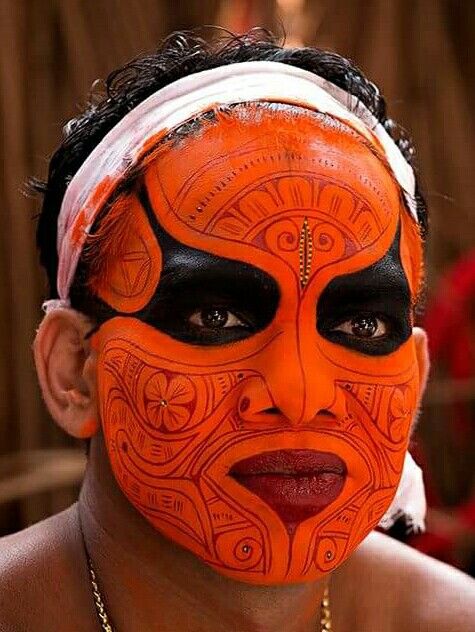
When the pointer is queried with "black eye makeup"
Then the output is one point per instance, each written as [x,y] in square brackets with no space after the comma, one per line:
[368,311]
[204,299]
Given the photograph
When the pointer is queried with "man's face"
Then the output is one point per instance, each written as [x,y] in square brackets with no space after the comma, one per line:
[257,393]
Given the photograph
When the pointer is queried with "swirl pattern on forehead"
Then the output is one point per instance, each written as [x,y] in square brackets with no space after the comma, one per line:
[254,192]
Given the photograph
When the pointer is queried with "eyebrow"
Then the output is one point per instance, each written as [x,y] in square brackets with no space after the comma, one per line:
[384,280]
[182,261]
[383,284]
[187,268]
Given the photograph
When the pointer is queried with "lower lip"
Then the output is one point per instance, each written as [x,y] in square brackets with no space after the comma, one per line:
[302,491]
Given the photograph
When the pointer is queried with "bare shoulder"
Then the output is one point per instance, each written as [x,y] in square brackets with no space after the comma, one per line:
[37,578]
[425,594]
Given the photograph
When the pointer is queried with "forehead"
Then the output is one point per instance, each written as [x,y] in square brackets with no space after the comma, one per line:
[288,190]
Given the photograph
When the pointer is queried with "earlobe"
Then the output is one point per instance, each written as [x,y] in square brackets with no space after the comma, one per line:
[65,366]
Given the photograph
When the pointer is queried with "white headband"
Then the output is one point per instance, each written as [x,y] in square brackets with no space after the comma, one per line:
[184,99]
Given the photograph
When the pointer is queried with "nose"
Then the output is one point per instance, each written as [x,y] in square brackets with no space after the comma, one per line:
[291,388]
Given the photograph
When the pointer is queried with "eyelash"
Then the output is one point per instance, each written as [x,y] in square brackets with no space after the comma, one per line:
[198,315]
[188,325]
[396,332]
[380,319]
[196,320]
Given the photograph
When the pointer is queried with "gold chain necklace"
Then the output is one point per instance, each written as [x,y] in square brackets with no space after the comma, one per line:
[325,615]
[98,601]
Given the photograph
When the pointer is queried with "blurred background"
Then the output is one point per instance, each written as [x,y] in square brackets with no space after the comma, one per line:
[419,52]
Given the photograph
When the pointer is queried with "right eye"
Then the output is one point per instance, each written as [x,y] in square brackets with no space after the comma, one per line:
[215,318]
[212,305]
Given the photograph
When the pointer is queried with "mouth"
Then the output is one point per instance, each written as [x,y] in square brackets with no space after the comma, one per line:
[296,484]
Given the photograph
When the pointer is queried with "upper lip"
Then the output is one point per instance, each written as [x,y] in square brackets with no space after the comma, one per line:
[289,463]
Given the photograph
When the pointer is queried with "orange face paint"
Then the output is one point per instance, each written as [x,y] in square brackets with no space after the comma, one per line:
[304,200]
[88,429]
[130,261]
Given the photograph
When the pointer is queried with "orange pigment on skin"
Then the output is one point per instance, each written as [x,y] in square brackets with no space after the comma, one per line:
[88,429]
[172,413]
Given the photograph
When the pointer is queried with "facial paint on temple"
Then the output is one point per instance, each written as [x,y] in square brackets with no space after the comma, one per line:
[207,440]
[126,274]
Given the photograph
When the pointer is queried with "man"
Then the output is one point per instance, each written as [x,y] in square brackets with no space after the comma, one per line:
[234,245]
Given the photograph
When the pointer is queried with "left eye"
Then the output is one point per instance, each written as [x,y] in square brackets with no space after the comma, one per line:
[364,326]
[215,318]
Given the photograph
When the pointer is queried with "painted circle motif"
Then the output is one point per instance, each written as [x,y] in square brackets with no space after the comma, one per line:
[169,401]
[239,550]
[328,554]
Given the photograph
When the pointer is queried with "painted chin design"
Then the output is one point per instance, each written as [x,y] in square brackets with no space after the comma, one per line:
[296,484]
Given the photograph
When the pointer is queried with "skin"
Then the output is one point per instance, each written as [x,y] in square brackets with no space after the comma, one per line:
[153,578]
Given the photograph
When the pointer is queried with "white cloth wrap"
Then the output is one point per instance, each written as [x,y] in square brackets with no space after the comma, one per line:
[186,98]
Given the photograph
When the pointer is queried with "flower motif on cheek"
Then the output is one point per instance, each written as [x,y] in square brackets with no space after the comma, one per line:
[167,401]
[401,408]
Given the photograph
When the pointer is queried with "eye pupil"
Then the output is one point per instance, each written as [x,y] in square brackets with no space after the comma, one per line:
[364,326]
[214,317]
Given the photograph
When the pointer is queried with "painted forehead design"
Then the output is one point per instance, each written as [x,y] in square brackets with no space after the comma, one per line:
[185,99]
[294,193]
[288,202]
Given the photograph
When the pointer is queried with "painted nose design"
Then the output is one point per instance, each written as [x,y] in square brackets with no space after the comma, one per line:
[295,386]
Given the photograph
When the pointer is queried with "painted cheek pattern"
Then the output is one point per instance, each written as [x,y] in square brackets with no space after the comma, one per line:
[165,426]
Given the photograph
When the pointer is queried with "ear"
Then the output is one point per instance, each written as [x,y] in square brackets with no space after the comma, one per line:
[66,368]
[423,365]
[422,358]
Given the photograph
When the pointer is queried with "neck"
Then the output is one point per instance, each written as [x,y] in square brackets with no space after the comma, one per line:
[147,580]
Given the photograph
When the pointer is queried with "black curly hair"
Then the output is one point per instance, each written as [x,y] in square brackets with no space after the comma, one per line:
[179,55]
